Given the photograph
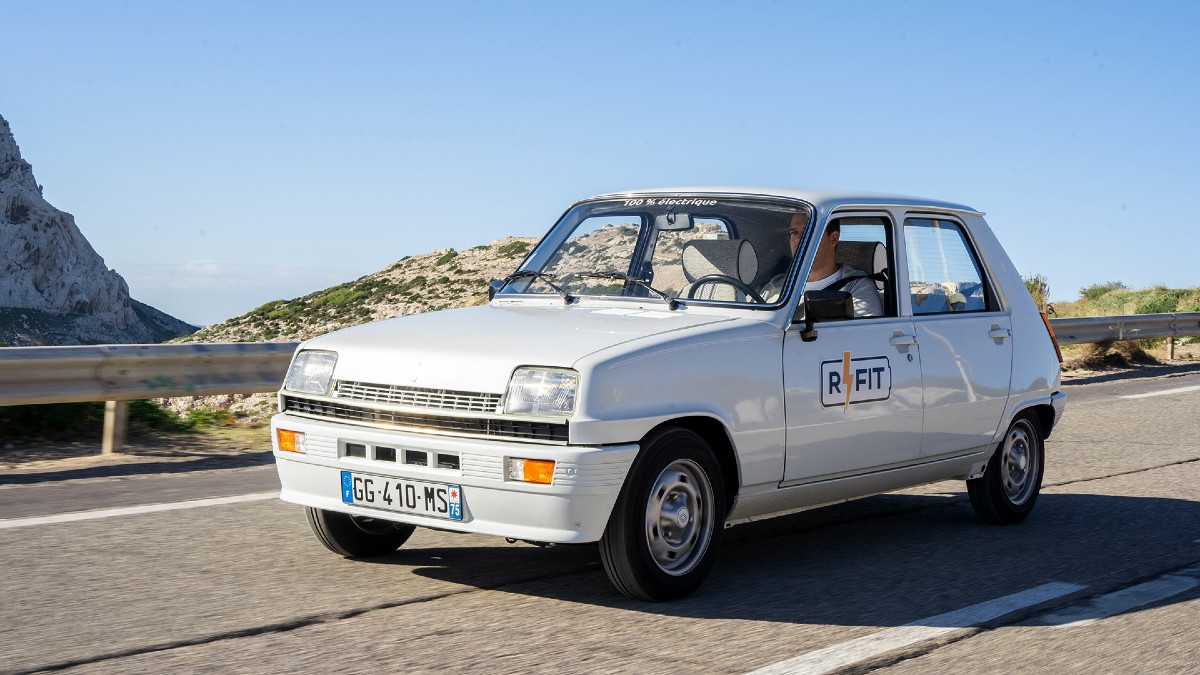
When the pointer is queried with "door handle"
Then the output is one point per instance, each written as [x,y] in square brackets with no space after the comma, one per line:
[998,333]
[901,340]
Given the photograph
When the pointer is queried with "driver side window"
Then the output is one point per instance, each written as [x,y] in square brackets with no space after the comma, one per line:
[857,259]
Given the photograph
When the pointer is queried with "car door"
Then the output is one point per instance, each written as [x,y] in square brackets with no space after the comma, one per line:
[852,396]
[965,338]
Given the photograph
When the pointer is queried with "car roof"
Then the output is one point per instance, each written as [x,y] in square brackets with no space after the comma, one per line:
[824,200]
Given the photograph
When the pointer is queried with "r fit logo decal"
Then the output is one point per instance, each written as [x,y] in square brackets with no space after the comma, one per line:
[848,380]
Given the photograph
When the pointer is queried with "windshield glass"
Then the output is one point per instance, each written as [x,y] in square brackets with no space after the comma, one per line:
[685,247]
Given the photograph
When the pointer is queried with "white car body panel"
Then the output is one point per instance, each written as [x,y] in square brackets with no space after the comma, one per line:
[740,373]
[477,348]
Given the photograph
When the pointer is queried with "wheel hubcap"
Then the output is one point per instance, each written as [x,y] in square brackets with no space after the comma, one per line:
[1019,462]
[679,517]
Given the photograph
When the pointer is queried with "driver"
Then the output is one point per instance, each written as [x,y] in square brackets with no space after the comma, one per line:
[827,271]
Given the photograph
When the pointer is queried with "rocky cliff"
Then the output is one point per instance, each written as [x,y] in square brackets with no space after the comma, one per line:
[54,287]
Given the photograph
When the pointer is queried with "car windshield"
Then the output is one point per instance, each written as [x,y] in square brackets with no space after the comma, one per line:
[670,248]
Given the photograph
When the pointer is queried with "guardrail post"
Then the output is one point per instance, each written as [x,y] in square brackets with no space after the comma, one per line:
[116,420]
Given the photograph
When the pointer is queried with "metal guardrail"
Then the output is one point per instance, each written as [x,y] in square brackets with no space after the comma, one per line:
[117,374]
[1087,329]
[30,375]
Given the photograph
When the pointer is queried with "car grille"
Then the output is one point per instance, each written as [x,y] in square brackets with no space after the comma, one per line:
[416,397]
[520,429]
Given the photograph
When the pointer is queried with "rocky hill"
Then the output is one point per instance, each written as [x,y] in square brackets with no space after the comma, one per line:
[54,288]
[442,279]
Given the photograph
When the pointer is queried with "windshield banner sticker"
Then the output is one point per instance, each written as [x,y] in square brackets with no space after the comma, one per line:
[670,202]
[848,380]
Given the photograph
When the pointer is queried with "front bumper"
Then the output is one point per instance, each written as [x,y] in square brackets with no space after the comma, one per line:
[574,508]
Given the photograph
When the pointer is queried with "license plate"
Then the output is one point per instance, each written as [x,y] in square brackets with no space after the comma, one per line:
[405,496]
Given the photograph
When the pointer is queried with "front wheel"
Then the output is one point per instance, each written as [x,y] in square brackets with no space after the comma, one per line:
[665,529]
[1009,487]
[357,536]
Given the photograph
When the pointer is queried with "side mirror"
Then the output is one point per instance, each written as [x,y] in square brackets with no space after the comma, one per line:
[494,287]
[822,306]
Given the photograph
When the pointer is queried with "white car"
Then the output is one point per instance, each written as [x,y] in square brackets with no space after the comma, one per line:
[667,363]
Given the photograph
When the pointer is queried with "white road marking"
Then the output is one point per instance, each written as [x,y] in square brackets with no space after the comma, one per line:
[1163,392]
[859,649]
[1117,602]
[132,510]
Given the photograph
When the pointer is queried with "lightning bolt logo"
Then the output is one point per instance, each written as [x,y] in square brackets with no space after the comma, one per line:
[846,379]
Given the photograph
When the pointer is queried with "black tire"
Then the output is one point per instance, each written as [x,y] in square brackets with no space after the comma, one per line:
[1009,487]
[664,557]
[356,536]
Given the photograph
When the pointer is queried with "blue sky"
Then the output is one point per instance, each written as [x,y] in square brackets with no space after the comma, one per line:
[223,154]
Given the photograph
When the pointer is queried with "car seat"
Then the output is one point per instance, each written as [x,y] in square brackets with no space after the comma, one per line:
[869,257]
[728,257]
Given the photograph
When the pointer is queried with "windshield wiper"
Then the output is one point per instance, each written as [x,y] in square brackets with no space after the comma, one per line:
[672,303]
[548,278]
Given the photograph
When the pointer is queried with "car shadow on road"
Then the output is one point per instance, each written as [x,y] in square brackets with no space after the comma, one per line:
[172,463]
[883,561]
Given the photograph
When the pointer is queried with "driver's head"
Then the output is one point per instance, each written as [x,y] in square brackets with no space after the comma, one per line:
[828,248]
[796,230]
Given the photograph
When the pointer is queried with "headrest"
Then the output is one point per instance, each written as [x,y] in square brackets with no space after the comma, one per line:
[731,257]
[868,256]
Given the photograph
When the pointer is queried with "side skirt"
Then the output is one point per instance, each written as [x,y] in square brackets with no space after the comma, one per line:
[772,501]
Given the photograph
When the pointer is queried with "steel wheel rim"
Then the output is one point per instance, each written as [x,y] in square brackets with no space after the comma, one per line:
[679,517]
[1019,461]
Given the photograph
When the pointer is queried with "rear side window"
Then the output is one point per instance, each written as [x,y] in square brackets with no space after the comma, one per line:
[944,274]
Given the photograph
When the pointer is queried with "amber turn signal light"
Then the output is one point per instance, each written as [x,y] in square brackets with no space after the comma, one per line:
[290,441]
[531,470]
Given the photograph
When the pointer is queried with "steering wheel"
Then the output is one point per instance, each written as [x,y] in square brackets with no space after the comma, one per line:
[727,280]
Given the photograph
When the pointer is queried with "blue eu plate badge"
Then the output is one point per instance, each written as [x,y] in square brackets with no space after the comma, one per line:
[455,502]
[347,488]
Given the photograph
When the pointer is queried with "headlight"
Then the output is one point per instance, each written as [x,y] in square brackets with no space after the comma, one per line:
[311,372]
[541,392]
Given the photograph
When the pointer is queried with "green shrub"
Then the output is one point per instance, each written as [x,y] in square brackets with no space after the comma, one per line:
[210,417]
[267,308]
[55,421]
[412,284]
[149,415]
[339,297]
[1096,291]
[1039,288]
[82,421]
[446,257]
[1163,302]
[514,249]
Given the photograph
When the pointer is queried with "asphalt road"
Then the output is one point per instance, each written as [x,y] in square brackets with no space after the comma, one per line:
[1103,577]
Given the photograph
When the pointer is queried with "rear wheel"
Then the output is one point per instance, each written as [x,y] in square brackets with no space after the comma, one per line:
[1007,490]
[665,529]
[357,536]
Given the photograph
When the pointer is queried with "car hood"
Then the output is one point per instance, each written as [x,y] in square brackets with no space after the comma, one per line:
[476,349]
